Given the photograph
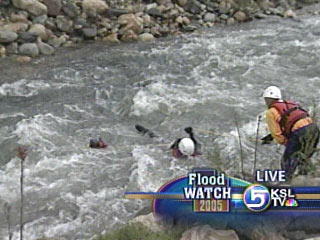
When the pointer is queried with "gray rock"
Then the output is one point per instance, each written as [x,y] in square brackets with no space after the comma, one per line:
[45,49]
[7,36]
[63,24]
[146,37]
[32,6]
[182,2]
[89,32]
[231,21]
[116,12]
[54,7]
[81,23]
[50,24]
[29,49]
[154,12]
[209,17]
[40,20]
[71,9]
[12,48]
[189,28]
[224,17]
[193,6]
[27,37]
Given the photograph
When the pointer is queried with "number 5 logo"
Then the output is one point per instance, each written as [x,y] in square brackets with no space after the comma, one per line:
[256,198]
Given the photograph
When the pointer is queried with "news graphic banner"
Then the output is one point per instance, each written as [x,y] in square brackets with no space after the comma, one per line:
[205,195]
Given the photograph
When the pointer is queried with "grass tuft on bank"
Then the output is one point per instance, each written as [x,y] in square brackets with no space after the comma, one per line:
[140,232]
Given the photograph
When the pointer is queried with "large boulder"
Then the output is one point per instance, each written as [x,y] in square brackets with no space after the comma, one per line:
[53,6]
[7,36]
[29,49]
[32,6]
[27,37]
[240,16]
[94,6]
[207,233]
[146,37]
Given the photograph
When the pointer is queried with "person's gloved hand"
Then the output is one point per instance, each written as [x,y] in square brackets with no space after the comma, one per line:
[267,139]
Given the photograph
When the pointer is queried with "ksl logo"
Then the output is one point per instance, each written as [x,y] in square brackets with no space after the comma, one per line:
[258,198]
[280,197]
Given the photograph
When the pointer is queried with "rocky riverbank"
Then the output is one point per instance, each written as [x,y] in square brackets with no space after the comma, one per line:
[29,28]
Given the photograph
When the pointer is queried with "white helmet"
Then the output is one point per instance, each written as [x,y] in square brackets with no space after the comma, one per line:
[272,92]
[186,146]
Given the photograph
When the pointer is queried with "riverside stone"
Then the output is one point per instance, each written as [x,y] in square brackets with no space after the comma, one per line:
[129,36]
[29,49]
[231,21]
[71,9]
[12,48]
[112,38]
[209,17]
[131,22]
[2,51]
[17,18]
[240,16]
[40,20]
[182,2]
[7,36]
[39,30]
[32,6]
[45,49]
[53,6]
[27,37]
[89,32]
[116,12]
[23,59]
[94,6]
[146,37]
[290,14]
[207,233]
[16,27]
[193,6]
[64,24]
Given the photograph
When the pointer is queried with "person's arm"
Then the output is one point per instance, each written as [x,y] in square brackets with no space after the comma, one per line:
[273,117]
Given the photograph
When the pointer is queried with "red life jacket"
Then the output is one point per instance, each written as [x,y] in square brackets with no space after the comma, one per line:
[290,112]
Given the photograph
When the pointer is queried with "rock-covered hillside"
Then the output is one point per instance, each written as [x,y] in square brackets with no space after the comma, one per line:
[33,27]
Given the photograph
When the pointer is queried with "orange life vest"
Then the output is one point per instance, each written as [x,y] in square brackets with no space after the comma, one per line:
[290,112]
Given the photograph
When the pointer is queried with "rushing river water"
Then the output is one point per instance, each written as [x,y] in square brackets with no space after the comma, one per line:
[208,80]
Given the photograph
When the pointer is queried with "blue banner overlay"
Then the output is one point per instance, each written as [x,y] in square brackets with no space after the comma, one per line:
[213,198]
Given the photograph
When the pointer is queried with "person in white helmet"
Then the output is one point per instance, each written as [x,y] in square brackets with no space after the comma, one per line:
[188,146]
[290,125]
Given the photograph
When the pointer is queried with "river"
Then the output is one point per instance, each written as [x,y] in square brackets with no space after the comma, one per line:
[211,80]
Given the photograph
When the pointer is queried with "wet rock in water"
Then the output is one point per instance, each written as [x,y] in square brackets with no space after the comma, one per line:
[146,37]
[54,7]
[29,49]
[39,30]
[207,233]
[240,16]
[189,28]
[27,37]
[209,17]
[2,51]
[7,36]
[45,49]
[23,59]
[112,38]
[129,36]
[260,16]
[32,6]
[12,48]
[71,9]
[94,6]
[16,27]
[40,20]
[290,14]
[64,24]
[89,32]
